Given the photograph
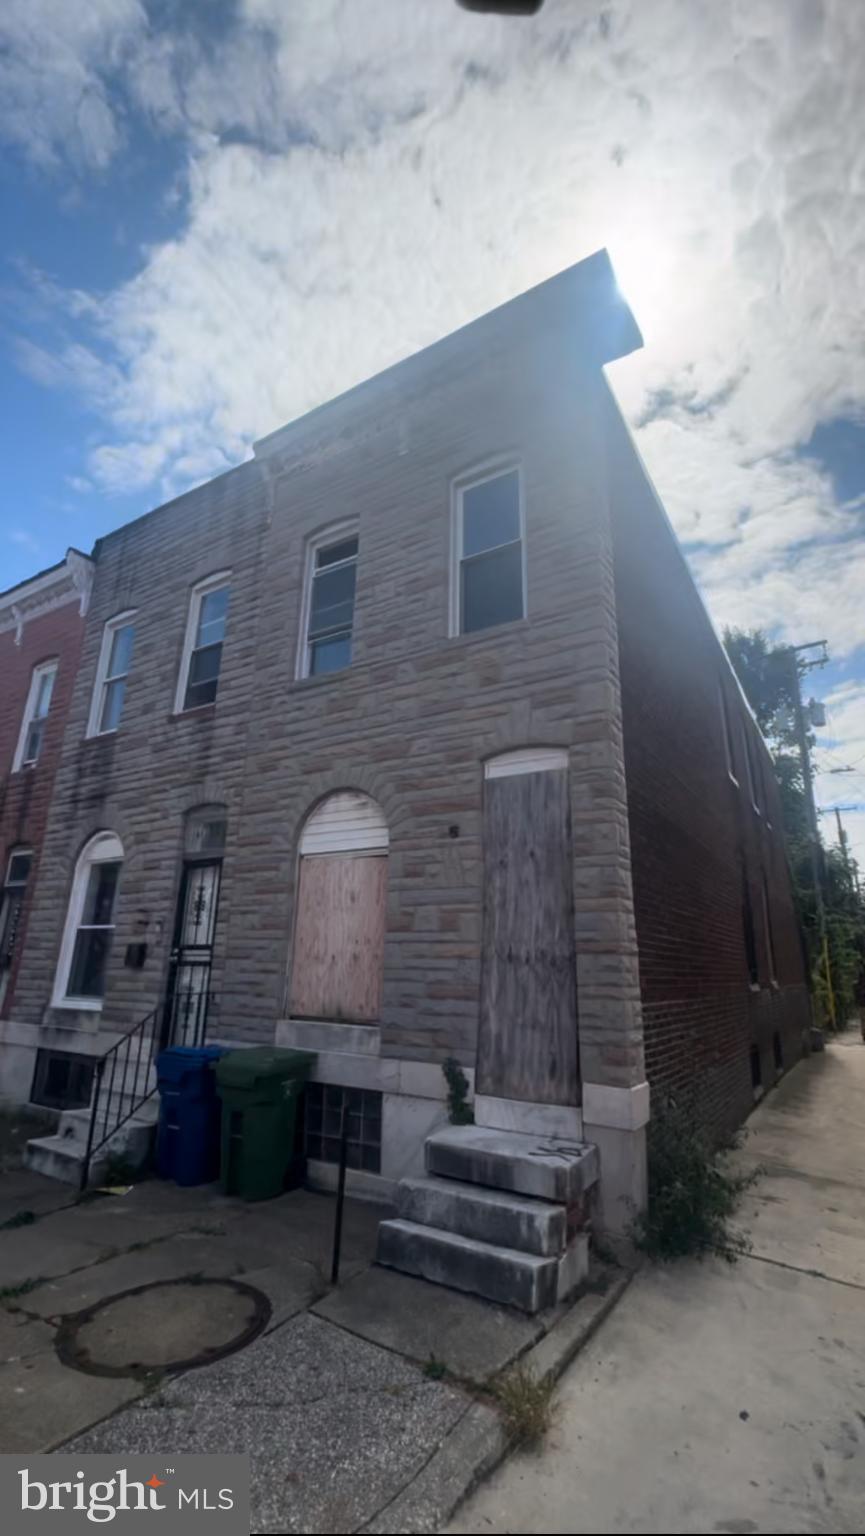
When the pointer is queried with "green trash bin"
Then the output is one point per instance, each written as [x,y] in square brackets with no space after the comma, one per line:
[259,1089]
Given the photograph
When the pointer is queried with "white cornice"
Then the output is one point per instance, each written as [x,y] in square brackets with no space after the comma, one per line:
[68,582]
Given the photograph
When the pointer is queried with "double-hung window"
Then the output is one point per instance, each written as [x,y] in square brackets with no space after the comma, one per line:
[489,565]
[202,651]
[89,928]
[35,715]
[328,609]
[727,734]
[750,767]
[11,902]
[115,658]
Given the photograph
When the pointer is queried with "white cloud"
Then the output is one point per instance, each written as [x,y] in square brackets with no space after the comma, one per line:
[413,166]
[58,62]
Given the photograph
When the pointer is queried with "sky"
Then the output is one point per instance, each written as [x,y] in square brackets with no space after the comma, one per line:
[217,214]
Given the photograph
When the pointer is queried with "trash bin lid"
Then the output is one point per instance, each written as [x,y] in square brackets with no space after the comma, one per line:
[177,1061]
[262,1063]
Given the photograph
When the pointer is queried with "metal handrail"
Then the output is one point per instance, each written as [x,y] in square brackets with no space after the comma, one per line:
[184,1016]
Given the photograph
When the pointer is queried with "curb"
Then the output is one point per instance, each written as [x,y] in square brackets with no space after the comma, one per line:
[477,1443]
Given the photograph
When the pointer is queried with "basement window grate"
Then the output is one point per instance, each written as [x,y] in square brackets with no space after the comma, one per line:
[324,1103]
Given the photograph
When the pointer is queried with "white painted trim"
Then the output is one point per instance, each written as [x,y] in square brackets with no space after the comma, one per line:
[200,590]
[527,1118]
[39,671]
[96,701]
[345,822]
[103,848]
[459,486]
[526,760]
[621,1109]
[333,534]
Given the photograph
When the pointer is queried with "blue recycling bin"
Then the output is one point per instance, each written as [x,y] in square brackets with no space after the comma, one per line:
[187,1139]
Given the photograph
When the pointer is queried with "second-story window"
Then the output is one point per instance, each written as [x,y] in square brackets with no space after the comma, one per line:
[329,605]
[489,566]
[202,651]
[35,715]
[750,767]
[109,692]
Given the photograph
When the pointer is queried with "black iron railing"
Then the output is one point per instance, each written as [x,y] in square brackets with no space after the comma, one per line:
[124,1080]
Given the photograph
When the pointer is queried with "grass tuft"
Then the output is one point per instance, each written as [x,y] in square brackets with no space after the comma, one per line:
[526,1402]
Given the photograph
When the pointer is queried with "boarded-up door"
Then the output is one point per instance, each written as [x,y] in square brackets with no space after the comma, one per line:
[338,959]
[527,1047]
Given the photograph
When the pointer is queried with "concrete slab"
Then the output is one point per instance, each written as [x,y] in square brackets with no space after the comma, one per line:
[43,1402]
[471,1337]
[22,1336]
[335,1427]
[162,1261]
[23,1190]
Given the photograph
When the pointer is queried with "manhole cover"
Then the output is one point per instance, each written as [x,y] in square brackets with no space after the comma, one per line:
[167,1326]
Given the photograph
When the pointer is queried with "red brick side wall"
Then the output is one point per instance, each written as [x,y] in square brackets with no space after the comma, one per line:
[25,796]
[693,830]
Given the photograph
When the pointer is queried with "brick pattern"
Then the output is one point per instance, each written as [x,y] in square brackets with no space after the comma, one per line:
[25,796]
[409,723]
[693,831]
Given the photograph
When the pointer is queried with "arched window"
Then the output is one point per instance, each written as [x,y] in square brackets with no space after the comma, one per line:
[89,926]
[341,898]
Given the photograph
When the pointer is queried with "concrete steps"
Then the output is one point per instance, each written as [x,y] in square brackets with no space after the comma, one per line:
[487,1215]
[499,1214]
[61,1156]
[505,1275]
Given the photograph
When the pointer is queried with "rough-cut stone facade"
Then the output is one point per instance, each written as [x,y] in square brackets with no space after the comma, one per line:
[411,722]
[695,833]
[40,620]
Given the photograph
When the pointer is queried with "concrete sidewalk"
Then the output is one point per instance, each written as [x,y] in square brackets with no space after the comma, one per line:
[361,1406]
[727,1398]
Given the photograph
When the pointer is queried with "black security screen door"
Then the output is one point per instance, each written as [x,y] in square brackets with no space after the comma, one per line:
[192,955]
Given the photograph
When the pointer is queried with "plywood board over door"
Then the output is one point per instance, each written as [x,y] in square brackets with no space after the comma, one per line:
[339,937]
[527,1044]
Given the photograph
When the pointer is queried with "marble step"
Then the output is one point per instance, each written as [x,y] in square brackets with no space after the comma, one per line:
[546,1168]
[527,1281]
[61,1156]
[491,1216]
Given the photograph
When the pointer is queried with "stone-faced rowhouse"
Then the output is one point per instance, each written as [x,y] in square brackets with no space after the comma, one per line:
[410,739]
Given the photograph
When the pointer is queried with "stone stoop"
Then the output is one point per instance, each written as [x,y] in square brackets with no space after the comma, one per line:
[60,1156]
[500,1214]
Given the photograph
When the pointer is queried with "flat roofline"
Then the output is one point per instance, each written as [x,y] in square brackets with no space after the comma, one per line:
[590,285]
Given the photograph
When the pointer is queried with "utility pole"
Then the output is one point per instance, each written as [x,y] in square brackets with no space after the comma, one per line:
[849,864]
[796,668]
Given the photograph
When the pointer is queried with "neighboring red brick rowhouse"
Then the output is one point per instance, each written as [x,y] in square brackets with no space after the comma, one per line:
[42,619]
[696,837]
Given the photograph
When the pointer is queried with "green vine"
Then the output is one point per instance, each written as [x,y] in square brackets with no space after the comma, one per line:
[460,1111]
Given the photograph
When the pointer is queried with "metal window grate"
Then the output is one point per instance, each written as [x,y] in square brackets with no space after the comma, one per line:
[324,1103]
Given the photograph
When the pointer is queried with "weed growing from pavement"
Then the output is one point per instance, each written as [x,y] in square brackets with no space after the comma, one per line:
[526,1403]
[20,1219]
[692,1191]
[435,1369]
[460,1111]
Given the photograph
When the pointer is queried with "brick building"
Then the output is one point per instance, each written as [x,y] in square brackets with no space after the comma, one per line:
[405,741]
[41,630]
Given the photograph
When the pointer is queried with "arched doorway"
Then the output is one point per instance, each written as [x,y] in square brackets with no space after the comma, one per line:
[338,958]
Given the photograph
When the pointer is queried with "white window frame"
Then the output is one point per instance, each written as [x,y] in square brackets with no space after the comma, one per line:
[103,848]
[196,597]
[97,702]
[727,734]
[42,669]
[459,487]
[335,533]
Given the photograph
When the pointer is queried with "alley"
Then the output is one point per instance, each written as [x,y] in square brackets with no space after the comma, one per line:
[722,1398]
